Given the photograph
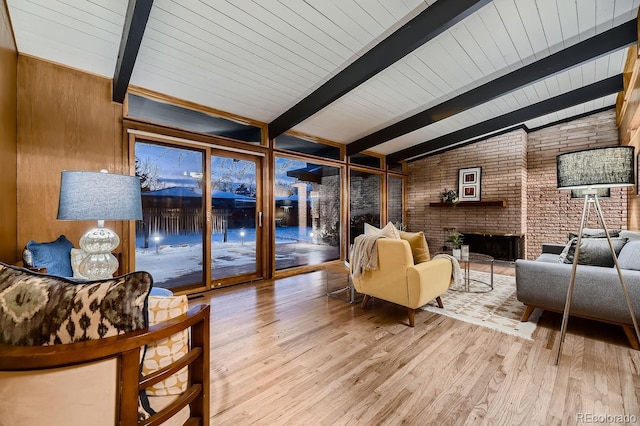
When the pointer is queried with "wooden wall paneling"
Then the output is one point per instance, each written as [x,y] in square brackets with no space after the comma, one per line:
[628,101]
[66,121]
[8,139]
[633,199]
[628,122]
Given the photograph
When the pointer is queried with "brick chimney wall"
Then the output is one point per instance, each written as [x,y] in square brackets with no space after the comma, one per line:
[503,162]
[551,213]
[520,169]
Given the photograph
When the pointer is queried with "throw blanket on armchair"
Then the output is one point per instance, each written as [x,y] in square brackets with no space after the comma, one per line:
[364,255]
[456,272]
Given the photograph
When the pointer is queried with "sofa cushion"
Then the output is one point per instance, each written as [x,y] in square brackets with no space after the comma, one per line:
[53,255]
[629,257]
[163,352]
[418,243]
[388,231]
[630,235]
[549,258]
[39,309]
[593,251]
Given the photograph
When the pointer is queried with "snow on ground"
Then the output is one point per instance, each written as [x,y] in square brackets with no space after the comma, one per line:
[179,255]
[169,262]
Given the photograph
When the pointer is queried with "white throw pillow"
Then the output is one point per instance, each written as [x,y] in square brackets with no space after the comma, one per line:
[388,231]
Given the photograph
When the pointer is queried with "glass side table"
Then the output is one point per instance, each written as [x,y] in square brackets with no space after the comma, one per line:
[473,285]
[336,273]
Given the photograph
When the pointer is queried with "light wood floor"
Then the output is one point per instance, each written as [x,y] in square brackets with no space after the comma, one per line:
[283,352]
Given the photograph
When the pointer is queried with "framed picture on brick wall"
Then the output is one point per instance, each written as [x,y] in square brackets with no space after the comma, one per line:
[469,184]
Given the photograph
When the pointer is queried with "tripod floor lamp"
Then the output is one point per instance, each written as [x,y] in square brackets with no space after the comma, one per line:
[588,171]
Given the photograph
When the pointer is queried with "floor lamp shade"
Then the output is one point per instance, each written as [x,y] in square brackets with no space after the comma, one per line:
[99,196]
[596,168]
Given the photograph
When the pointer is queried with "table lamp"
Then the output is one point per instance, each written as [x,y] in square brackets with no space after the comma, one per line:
[589,171]
[100,196]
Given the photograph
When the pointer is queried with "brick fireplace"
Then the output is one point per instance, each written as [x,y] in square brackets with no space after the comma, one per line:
[519,174]
[501,247]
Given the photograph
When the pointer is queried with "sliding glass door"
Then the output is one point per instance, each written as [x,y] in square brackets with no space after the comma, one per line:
[235,218]
[198,203]
[364,201]
[170,238]
[307,213]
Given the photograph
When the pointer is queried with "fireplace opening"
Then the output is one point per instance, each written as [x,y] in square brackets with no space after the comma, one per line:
[501,246]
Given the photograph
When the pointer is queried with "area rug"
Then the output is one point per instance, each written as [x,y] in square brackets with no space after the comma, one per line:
[497,309]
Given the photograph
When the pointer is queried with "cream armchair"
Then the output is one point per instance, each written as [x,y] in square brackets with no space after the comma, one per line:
[398,280]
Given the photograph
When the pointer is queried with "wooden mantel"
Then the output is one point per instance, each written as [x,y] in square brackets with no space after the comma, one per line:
[493,203]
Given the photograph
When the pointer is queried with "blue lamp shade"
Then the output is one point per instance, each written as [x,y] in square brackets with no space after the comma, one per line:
[99,196]
[596,168]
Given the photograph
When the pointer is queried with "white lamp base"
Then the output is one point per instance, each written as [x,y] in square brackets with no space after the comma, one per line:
[98,243]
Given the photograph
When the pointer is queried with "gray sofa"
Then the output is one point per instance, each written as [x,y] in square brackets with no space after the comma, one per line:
[543,283]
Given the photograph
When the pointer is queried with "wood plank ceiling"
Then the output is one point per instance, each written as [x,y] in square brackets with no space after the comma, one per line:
[261,59]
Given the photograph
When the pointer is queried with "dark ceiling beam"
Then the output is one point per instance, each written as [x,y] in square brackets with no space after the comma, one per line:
[616,38]
[434,20]
[477,131]
[135,23]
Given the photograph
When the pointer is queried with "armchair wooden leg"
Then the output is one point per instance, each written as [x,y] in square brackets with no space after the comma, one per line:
[631,335]
[412,317]
[365,300]
[439,300]
[527,313]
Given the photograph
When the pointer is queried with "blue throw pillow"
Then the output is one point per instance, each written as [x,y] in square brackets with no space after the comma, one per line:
[55,256]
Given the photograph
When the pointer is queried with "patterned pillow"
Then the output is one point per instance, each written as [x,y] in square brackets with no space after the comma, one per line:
[37,309]
[163,352]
